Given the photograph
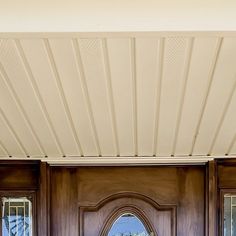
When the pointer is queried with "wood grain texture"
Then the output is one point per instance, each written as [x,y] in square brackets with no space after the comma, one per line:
[159,183]
[64,204]
[83,201]
[212,198]
[19,175]
[159,219]
[227,176]
[191,199]
[43,203]
[180,186]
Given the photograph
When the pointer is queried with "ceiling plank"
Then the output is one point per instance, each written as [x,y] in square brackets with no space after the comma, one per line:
[91,55]
[70,77]
[221,90]
[172,82]
[202,56]
[39,63]
[147,60]
[121,80]
[40,116]
[62,94]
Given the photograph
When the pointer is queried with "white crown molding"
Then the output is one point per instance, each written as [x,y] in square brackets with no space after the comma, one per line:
[102,161]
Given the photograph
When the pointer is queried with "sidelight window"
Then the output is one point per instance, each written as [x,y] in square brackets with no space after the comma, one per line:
[16,216]
[128,225]
[229,215]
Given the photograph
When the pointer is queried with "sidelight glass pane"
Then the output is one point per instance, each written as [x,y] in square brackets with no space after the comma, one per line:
[128,225]
[16,217]
[227,216]
[234,221]
[234,200]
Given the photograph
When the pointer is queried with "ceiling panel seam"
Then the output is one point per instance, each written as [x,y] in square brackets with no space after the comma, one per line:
[8,127]
[62,95]
[186,70]
[38,96]
[81,73]
[228,102]
[110,94]
[4,149]
[13,132]
[134,91]
[161,53]
[231,144]
[210,80]
[21,109]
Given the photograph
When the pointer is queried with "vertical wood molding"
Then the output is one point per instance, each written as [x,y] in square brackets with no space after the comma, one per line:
[44,200]
[212,199]
[64,201]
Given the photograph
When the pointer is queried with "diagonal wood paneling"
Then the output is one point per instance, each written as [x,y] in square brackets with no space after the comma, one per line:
[41,66]
[151,96]
[65,60]
[13,111]
[9,141]
[222,83]
[224,139]
[202,60]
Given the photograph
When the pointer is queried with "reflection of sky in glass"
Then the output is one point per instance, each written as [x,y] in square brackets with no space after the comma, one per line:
[127,225]
[16,217]
[4,229]
[18,225]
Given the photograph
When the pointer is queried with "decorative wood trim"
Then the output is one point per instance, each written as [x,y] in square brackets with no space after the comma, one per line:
[212,199]
[99,205]
[128,161]
[128,195]
[43,206]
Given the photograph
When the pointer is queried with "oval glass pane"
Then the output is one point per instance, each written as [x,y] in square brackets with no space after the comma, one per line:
[128,225]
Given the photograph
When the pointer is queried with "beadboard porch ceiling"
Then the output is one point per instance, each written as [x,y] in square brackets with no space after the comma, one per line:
[153,83]
[118,97]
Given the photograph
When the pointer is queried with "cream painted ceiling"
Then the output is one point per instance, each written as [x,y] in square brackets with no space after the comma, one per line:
[116,16]
[122,95]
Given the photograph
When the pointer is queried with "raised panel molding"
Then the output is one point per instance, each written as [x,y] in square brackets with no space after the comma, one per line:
[159,219]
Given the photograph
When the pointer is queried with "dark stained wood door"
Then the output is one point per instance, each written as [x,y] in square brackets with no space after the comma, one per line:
[170,201]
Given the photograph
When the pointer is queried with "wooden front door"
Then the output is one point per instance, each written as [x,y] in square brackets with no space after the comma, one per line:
[168,201]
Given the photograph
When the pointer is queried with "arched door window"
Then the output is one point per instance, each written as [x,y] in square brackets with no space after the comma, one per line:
[128,224]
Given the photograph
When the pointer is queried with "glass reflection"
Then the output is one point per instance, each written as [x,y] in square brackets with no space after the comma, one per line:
[16,217]
[128,225]
[229,215]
